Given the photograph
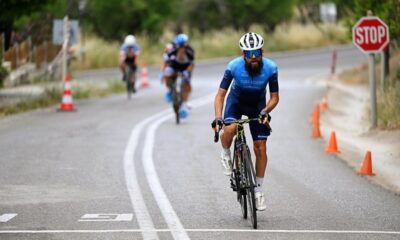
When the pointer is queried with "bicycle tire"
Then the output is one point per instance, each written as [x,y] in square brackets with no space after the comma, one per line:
[128,82]
[241,193]
[175,103]
[250,185]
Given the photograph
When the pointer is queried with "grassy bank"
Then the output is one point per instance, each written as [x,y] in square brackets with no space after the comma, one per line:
[53,95]
[222,43]
[389,99]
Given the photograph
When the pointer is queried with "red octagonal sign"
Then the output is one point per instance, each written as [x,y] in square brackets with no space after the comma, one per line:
[370,34]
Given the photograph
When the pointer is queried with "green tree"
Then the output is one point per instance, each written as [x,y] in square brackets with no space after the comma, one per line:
[115,19]
[241,14]
[11,10]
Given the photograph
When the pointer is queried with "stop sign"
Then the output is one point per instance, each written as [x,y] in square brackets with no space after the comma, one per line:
[370,34]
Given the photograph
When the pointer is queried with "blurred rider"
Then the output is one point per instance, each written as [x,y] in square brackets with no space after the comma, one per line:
[128,57]
[180,61]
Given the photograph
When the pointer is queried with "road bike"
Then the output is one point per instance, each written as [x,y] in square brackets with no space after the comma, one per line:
[176,96]
[243,177]
[130,86]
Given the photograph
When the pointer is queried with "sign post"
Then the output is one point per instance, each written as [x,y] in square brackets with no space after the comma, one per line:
[371,35]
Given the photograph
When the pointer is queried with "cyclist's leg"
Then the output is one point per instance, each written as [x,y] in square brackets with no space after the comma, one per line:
[133,76]
[232,112]
[168,75]
[168,78]
[186,88]
[122,66]
[259,133]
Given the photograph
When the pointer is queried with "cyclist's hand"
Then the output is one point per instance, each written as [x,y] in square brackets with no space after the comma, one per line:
[264,118]
[217,124]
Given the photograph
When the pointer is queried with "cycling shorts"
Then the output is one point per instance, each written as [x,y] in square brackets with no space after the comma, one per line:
[131,63]
[171,71]
[234,111]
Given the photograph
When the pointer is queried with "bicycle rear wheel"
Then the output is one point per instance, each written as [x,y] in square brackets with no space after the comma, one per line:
[176,102]
[128,82]
[250,177]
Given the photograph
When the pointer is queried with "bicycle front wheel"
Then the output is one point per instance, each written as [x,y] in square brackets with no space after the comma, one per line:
[250,185]
[176,102]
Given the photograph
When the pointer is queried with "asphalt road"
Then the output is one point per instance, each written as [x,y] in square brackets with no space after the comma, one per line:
[120,169]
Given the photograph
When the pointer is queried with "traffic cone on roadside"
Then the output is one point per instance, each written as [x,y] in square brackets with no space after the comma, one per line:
[316,131]
[324,103]
[315,115]
[144,79]
[332,147]
[66,103]
[366,168]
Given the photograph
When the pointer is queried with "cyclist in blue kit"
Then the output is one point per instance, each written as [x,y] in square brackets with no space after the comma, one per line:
[248,77]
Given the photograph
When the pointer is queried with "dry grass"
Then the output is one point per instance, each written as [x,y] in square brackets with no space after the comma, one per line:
[389,99]
[53,95]
[221,43]
[389,108]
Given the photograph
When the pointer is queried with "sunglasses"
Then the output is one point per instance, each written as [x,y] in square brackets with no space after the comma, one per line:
[250,53]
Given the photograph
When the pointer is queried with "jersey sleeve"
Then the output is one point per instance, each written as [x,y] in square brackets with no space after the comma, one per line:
[136,49]
[190,54]
[273,81]
[226,79]
[122,50]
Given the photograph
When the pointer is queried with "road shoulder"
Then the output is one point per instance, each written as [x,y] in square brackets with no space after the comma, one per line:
[348,115]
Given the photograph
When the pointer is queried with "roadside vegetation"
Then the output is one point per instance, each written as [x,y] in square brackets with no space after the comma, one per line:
[53,95]
[389,99]
[214,44]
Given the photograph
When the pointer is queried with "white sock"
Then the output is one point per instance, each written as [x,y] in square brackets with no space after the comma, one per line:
[226,151]
[259,183]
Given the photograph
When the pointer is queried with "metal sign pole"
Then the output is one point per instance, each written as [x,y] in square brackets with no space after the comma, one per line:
[372,85]
[65,46]
[383,70]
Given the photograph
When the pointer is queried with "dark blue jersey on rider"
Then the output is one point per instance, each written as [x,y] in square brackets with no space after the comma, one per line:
[247,95]
[250,90]
[181,64]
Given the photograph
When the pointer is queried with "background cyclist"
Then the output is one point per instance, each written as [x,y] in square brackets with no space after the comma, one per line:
[249,76]
[128,56]
[180,60]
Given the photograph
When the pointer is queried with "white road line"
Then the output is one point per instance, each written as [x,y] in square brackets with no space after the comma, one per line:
[106,217]
[7,217]
[161,198]
[203,230]
[177,230]
[135,194]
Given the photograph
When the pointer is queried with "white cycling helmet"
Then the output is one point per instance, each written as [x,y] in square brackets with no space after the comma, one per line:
[130,40]
[251,41]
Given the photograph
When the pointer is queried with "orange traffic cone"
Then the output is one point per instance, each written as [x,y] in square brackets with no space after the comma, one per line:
[366,168]
[67,104]
[144,82]
[324,103]
[315,115]
[316,131]
[332,147]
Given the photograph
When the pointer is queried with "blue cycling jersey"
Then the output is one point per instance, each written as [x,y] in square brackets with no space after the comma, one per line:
[124,49]
[246,88]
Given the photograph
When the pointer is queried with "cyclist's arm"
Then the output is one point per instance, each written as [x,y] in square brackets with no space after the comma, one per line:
[122,58]
[137,53]
[219,102]
[223,89]
[274,93]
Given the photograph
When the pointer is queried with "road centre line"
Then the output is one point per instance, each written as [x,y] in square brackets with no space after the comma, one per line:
[160,196]
[203,230]
[135,194]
